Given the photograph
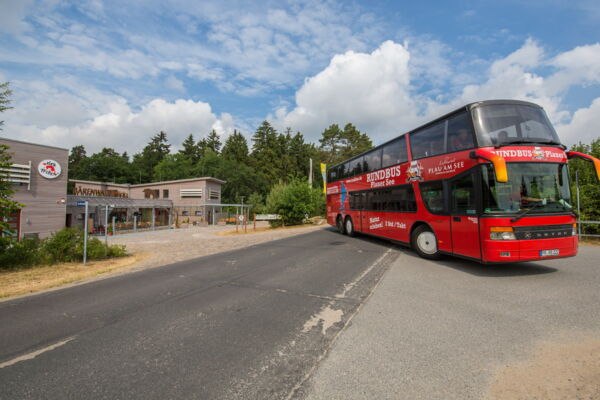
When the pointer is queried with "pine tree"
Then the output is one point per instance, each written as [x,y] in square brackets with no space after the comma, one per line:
[236,148]
[5,93]
[190,149]
[151,155]
[267,152]
[213,141]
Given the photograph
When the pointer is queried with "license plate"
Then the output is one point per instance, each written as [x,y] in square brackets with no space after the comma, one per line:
[548,253]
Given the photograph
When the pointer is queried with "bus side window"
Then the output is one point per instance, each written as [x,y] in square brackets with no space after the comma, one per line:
[428,141]
[433,196]
[372,160]
[394,153]
[462,192]
[460,133]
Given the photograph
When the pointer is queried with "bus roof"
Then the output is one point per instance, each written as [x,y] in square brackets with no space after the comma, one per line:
[468,107]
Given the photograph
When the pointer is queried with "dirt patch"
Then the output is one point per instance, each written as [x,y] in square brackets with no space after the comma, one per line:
[250,230]
[565,369]
[25,281]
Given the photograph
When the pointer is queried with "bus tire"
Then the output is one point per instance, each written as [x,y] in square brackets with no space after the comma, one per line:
[424,242]
[339,222]
[349,227]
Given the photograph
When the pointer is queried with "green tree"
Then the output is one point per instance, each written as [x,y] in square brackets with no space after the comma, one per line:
[212,142]
[190,149]
[293,201]
[151,155]
[589,187]
[267,154]
[5,94]
[7,205]
[236,148]
[175,166]
[257,202]
[77,161]
[337,145]
[106,166]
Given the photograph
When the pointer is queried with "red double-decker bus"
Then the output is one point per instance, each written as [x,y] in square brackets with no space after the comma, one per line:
[487,182]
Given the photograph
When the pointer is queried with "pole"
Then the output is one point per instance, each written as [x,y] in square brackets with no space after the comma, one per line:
[114,224]
[170,218]
[106,225]
[152,218]
[134,222]
[85,233]
[310,173]
[578,207]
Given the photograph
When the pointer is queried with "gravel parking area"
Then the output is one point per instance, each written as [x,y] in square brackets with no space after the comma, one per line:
[173,245]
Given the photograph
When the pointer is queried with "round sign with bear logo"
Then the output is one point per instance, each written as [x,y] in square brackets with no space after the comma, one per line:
[49,169]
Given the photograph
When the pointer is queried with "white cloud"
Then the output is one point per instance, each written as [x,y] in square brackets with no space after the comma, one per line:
[370,90]
[175,84]
[12,16]
[119,126]
[377,91]
[580,66]
[583,127]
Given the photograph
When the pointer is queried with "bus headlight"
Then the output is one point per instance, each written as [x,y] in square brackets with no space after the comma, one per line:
[502,233]
[574,229]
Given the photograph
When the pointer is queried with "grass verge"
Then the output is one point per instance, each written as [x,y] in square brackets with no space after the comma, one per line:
[36,279]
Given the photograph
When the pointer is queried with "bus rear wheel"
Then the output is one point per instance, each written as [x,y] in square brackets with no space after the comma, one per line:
[425,243]
[340,224]
[349,226]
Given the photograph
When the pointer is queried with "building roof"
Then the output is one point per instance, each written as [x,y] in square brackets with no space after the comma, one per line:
[129,185]
[33,144]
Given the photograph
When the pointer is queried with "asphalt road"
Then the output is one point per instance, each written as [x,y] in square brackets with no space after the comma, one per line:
[444,329]
[251,323]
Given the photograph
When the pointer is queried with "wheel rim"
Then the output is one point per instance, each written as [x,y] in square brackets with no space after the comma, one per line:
[427,243]
[348,226]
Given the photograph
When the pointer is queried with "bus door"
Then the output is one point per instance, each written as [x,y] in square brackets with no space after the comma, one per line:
[465,220]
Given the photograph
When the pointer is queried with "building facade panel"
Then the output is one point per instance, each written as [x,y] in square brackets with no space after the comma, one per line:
[44,198]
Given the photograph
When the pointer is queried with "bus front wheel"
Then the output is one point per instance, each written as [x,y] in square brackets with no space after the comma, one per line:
[349,226]
[425,243]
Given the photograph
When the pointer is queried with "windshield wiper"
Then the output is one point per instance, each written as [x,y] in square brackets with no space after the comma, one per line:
[528,141]
[527,211]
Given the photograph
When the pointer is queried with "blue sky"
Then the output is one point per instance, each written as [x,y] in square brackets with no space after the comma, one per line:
[104,73]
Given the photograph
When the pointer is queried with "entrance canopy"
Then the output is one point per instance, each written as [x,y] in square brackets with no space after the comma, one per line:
[118,202]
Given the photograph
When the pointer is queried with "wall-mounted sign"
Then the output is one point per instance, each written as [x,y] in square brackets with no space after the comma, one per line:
[49,169]
[79,191]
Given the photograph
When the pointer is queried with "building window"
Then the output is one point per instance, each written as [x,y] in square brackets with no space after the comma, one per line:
[199,213]
[151,193]
[185,213]
[165,193]
[215,195]
[190,193]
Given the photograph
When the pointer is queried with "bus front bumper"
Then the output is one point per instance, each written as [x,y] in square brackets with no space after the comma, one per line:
[506,251]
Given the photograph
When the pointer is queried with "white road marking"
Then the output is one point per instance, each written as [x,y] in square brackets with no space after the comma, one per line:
[350,285]
[34,354]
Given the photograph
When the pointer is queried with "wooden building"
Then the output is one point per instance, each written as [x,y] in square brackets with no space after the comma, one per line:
[39,177]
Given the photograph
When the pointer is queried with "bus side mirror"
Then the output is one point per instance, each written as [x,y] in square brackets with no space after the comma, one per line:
[594,160]
[497,161]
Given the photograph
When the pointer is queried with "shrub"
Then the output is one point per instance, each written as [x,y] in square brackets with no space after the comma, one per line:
[15,254]
[116,250]
[96,250]
[64,246]
[294,202]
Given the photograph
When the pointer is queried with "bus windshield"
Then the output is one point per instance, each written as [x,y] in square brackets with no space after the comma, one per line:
[505,124]
[542,187]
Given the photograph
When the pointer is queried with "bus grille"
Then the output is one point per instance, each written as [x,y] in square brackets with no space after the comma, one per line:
[543,232]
